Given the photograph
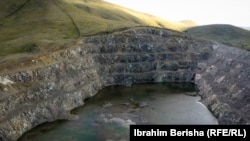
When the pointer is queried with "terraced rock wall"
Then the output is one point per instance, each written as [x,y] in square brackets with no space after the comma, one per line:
[138,55]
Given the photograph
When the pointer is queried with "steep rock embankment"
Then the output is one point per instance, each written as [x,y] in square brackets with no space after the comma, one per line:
[137,55]
[223,81]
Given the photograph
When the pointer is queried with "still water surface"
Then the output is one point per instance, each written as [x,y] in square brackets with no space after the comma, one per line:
[107,115]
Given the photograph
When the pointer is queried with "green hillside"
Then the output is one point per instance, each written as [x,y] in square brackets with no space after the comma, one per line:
[39,26]
[226,34]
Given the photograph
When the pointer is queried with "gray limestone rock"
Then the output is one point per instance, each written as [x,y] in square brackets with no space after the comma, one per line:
[42,94]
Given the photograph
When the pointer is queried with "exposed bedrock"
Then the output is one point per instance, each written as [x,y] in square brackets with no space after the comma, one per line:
[138,55]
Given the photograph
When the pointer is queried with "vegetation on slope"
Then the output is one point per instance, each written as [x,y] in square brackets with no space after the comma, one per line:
[39,26]
[226,34]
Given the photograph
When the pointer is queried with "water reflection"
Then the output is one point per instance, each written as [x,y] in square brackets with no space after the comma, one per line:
[107,115]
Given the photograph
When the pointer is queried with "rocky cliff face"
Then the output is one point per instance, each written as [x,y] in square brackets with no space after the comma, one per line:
[223,81]
[139,55]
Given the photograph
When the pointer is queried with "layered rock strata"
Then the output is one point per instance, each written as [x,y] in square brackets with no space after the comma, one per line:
[138,55]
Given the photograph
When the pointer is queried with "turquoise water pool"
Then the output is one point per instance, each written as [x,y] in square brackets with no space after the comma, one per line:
[107,115]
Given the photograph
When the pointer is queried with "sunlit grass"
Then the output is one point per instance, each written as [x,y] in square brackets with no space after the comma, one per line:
[41,25]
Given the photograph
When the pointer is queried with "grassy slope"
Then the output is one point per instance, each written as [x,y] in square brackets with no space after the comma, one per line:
[9,7]
[46,25]
[226,34]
